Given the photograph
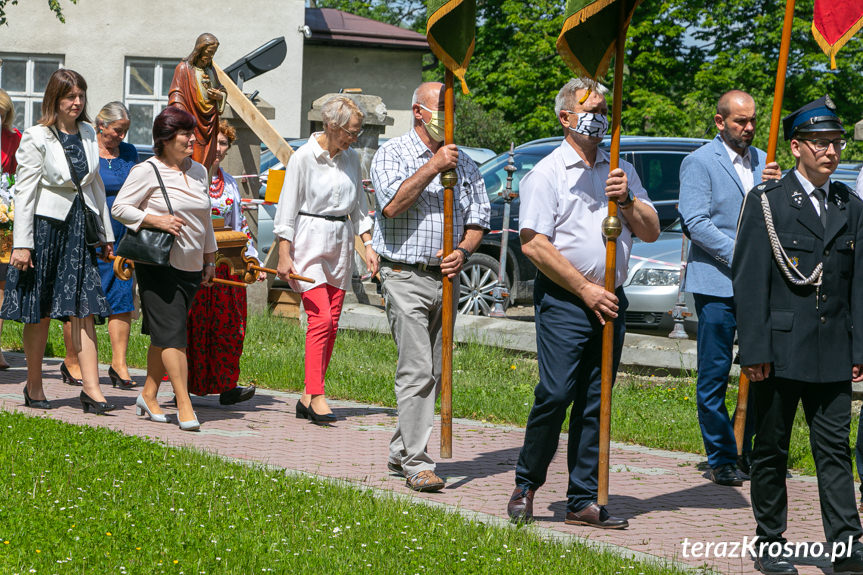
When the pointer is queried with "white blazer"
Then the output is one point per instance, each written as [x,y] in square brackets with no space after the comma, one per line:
[44,187]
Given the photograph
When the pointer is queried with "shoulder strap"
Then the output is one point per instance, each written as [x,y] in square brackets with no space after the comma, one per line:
[162,185]
[72,173]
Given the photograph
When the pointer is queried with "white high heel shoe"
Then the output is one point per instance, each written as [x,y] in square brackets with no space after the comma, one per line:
[141,408]
[192,425]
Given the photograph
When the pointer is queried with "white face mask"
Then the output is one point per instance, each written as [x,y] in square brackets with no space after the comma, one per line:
[590,124]
[435,125]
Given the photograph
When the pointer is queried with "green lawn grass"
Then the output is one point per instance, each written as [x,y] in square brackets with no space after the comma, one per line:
[74,499]
[663,414]
[489,384]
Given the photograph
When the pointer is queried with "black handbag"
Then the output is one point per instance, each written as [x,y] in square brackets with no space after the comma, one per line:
[94,230]
[148,246]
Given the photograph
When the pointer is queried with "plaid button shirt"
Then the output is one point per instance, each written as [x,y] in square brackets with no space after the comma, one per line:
[415,236]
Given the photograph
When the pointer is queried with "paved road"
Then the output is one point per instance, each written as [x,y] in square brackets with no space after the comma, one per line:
[663,494]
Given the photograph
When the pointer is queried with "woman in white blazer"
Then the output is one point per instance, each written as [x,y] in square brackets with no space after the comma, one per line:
[52,271]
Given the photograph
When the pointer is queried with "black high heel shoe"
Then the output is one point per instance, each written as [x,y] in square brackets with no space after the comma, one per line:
[98,407]
[35,403]
[67,377]
[302,410]
[118,381]
[309,413]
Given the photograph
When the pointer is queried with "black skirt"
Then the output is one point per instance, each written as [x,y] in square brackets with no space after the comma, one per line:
[64,281]
[166,296]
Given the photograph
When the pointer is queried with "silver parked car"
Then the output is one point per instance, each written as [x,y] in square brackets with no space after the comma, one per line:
[655,272]
[653,283]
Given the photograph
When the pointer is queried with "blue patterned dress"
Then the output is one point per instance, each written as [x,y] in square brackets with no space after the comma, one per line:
[114,172]
[64,280]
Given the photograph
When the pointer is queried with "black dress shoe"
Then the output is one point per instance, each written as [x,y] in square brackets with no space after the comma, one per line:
[595,516]
[117,381]
[775,565]
[88,404]
[302,410]
[67,377]
[520,506]
[236,395]
[309,413]
[852,565]
[725,475]
[35,403]
[744,464]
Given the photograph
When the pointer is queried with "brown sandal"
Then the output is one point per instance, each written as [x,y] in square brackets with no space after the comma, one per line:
[425,481]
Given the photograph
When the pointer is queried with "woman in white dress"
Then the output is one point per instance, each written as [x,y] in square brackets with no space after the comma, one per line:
[321,207]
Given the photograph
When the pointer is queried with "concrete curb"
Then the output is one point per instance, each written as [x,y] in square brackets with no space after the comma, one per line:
[649,354]
[644,352]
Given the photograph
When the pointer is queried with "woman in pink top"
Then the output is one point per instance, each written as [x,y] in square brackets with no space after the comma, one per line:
[167,292]
[10,139]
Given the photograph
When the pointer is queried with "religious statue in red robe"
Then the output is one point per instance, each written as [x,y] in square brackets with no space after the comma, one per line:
[196,89]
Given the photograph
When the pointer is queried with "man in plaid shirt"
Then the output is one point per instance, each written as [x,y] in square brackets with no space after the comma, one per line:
[408,235]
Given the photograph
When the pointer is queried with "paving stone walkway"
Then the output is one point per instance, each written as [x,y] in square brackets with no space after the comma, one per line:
[663,494]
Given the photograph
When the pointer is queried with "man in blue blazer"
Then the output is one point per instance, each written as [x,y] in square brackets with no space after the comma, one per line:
[713,182]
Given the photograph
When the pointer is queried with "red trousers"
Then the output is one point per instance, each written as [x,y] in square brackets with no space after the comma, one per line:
[323,305]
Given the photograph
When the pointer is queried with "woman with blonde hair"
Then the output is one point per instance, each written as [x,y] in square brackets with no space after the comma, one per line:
[10,139]
[321,208]
[116,159]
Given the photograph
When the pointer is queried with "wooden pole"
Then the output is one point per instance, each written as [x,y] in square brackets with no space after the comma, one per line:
[448,180]
[123,270]
[246,110]
[779,88]
[611,228]
[775,124]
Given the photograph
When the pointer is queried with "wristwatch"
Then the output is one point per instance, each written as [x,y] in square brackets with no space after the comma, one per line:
[630,199]
[465,253]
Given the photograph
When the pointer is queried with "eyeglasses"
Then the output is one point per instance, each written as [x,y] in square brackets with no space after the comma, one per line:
[356,134]
[821,144]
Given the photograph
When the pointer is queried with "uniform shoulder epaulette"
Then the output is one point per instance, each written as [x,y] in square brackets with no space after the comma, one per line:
[767,186]
[843,191]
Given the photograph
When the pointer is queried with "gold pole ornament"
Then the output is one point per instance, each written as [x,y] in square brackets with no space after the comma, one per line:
[612,227]
[449,179]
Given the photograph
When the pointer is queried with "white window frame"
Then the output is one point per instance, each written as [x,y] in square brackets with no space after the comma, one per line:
[31,93]
[162,67]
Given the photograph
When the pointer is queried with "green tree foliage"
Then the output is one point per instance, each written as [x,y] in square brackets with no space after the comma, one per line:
[683,54]
[515,68]
[483,129]
[53,5]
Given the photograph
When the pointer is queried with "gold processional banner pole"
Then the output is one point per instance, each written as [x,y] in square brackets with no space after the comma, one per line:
[451,32]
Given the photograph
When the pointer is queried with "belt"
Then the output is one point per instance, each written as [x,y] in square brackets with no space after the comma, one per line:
[324,217]
[422,267]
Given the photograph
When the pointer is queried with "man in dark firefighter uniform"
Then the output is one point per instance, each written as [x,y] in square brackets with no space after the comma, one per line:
[798,287]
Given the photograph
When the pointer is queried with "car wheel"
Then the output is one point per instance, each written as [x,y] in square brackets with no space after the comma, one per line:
[478,280]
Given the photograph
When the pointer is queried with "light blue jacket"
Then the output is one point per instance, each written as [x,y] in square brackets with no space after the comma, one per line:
[711,195]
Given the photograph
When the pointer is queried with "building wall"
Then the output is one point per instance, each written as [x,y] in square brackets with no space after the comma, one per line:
[391,74]
[99,36]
